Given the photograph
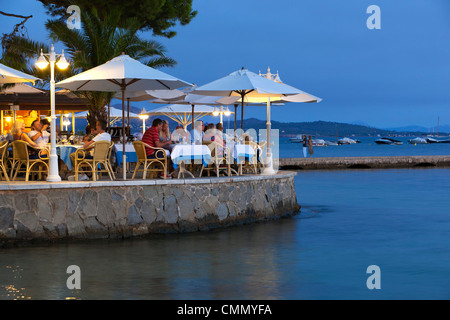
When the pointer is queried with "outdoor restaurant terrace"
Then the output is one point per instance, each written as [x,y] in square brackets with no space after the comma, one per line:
[194,179]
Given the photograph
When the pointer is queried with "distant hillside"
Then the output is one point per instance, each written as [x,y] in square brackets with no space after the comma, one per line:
[321,128]
[315,128]
[442,129]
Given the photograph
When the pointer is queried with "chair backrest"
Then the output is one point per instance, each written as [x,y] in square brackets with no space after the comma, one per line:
[139,147]
[101,150]
[3,148]
[217,150]
[20,150]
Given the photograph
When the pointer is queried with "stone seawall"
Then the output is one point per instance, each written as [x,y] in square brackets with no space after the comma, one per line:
[121,209]
[364,162]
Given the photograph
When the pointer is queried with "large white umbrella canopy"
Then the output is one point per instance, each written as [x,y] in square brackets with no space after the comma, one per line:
[182,113]
[114,113]
[122,74]
[10,75]
[248,85]
[195,100]
[20,88]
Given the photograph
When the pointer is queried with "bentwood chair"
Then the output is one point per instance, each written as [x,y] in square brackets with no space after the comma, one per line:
[260,152]
[250,164]
[111,147]
[21,157]
[149,165]
[220,160]
[3,159]
[101,149]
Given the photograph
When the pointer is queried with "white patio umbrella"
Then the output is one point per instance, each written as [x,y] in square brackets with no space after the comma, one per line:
[251,87]
[182,113]
[144,95]
[114,113]
[10,75]
[195,100]
[122,74]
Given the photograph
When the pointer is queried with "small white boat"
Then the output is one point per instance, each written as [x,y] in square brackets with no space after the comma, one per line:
[319,143]
[418,140]
[347,141]
[389,141]
[432,140]
[331,143]
[296,139]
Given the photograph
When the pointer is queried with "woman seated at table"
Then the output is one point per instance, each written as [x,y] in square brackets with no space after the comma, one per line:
[165,135]
[211,134]
[18,134]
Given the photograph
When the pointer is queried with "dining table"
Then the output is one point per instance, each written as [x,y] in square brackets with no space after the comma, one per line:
[65,150]
[183,154]
[130,153]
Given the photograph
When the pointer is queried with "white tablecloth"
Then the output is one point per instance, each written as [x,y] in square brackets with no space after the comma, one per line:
[65,150]
[189,152]
[130,153]
[241,151]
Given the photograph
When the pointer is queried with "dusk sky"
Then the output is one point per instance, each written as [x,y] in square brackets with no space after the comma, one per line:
[396,76]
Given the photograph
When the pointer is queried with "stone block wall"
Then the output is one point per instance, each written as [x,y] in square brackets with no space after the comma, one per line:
[93,210]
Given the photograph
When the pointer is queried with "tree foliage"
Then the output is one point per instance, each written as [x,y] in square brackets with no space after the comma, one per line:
[98,41]
[158,16]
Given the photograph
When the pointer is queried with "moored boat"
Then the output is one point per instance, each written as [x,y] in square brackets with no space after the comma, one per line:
[389,141]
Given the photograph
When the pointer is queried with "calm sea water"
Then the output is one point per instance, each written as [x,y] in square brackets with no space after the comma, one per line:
[396,219]
[367,147]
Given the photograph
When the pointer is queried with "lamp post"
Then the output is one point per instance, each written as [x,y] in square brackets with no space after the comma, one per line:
[62,64]
[221,112]
[143,117]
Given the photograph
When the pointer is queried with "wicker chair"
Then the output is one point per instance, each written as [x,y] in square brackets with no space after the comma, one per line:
[150,165]
[3,159]
[21,157]
[220,160]
[259,164]
[250,165]
[102,150]
[111,147]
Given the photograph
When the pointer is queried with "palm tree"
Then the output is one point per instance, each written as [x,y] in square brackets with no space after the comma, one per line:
[97,42]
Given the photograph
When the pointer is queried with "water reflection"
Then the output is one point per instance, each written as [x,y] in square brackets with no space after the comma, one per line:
[240,262]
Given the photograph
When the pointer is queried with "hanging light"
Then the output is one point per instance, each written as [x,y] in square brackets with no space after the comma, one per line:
[62,62]
[215,112]
[227,112]
[42,63]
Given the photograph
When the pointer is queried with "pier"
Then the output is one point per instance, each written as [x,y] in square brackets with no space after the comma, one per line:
[383,162]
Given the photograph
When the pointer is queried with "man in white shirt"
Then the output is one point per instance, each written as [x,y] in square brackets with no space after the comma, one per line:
[101,134]
[197,133]
[39,133]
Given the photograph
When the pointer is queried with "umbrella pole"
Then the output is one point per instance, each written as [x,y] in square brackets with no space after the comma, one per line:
[124,157]
[193,106]
[235,117]
[269,161]
[242,113]
[128,116]
[109,116]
